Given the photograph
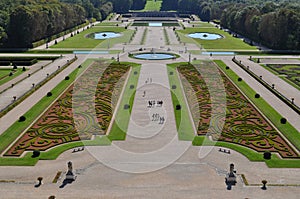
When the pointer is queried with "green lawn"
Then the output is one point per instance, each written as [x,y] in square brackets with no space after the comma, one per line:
[228,43]
[201,24]
[108,23]
[153,5]
[120,125]
[4,75]
[183,122]
[82,41]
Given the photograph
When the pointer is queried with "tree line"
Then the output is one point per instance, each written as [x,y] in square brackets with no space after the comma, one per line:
[23,22]
[274,23]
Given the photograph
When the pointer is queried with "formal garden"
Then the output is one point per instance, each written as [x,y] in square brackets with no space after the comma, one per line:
[288,72]
[245,126]
[56,127]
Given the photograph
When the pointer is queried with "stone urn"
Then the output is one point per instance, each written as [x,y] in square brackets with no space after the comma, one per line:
[264,182]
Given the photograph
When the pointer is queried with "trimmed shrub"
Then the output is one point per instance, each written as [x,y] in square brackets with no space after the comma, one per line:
[135,72]
[23,69]
[240,79]
[283,120]
[257,95]
[36,153]
[126,106]
[67,78]
[22,118]
[174,87]
[178,107]
[10,74]
[227,67]
[267,155]
[131,86]
[49,94]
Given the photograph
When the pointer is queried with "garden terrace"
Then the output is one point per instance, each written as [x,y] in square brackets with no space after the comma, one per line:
[244,124]
[82,40]
[228,42]
[290,73]
[56,126]
[7,74]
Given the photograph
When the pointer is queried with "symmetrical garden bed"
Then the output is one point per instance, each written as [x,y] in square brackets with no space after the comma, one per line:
[244,125]
[290,72]
[56,126]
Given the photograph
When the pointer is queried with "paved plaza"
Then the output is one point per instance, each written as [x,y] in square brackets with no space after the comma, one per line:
[151,162]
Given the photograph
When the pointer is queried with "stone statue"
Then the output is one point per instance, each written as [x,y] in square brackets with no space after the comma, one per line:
[70,175]
[230,178]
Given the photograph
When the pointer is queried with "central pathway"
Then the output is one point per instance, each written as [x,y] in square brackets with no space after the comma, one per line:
[152,140]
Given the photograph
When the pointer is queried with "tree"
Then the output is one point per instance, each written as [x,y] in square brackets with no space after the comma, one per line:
[169,5]
[138,4]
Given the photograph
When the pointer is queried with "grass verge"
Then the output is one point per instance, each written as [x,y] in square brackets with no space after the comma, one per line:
[4,75]
[182,117]
[120,124]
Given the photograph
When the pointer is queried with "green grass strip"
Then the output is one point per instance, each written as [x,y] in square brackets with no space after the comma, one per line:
[153,5]
[4,75]
[183,122]
[166,37]
[143,40]
[120,124]
[108,23]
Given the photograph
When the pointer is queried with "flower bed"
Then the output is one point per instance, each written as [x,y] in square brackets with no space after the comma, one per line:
[244,125]
[56,126]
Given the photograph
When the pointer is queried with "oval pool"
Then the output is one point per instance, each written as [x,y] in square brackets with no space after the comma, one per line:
[154,56]
[106,35]
[205,36]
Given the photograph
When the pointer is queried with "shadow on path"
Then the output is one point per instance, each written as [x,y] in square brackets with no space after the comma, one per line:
[65,182]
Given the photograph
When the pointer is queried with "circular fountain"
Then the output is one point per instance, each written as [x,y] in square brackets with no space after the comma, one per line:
[106,35]
[154,56]
[205,36]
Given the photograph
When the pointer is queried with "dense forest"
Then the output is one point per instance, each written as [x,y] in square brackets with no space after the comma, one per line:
[23,22]
[274,23]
